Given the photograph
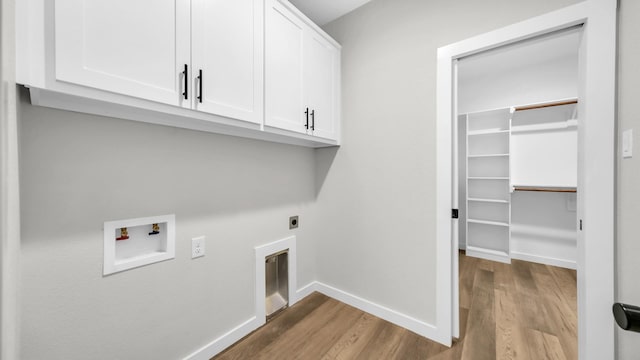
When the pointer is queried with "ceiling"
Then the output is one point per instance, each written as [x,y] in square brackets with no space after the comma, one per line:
[325,11]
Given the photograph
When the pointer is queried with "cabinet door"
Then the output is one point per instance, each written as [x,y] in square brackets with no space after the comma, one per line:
[132,47]
[321,64]
[284,52]
[227,43]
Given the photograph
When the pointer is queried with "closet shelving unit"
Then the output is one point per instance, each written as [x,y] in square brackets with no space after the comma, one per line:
[492,176]
[488,184]
[545,118]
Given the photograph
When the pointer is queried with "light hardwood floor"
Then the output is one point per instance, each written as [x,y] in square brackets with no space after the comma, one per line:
[518,311]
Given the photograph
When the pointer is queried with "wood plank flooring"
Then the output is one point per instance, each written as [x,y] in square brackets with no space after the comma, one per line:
[518,311]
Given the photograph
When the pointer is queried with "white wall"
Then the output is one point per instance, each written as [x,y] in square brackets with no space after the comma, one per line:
[543,227]
[80,170]
[628,197]
[519,86]
[544,158]
[377,203]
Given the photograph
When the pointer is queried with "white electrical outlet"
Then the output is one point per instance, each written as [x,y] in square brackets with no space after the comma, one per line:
[197,247]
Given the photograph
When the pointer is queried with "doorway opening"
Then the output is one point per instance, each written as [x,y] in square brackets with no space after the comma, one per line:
[517,150]
[595,206]
[515,163]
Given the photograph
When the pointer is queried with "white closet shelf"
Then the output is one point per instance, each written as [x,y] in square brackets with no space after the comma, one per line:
[560,125]
[487,175]
[488,178]
[487,132]
[486,156]
[497,201]
[488,222]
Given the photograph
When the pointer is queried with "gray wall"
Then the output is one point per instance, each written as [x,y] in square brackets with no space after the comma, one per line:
[628,237]
[377,204]
[80,170]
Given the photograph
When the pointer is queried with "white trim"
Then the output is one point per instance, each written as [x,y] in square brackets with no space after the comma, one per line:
[9,188]
[417,326]
[455,204]
[113,265]
[262,252]
[221,343]
[119,106]
[596,192]
[488,254]
[218,345]
[596,183]
[307,290]
[547,260]
[444,250]
[234,335]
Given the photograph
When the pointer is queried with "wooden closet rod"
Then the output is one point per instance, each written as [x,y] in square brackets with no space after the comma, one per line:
[544,189]
[540,106]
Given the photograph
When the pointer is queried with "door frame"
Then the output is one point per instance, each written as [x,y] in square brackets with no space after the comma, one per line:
[9,190]
[596,166]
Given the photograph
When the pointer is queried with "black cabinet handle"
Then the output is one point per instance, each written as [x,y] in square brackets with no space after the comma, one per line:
[186,82]
[313,119]
[200,86]
[627,316]
[306,113]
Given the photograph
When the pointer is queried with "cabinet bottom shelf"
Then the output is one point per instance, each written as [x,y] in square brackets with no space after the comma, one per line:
[124,107]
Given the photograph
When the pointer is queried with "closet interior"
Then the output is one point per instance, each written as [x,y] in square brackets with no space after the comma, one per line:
[517,136]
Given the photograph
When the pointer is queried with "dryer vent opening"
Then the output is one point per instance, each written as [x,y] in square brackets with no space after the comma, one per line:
[276,283]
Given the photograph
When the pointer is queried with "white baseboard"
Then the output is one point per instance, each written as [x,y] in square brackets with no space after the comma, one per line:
[419,327]
[221,343]
[306,290]
[218,345]
[488,254]
[569,264]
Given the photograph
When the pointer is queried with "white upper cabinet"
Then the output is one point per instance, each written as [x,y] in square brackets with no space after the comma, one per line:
[284,33]
[227,58]
[195,64]
[321,77]
[132,47]
[302,74]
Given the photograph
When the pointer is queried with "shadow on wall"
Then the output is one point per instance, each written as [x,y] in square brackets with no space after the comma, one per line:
[78,168]
[324,159]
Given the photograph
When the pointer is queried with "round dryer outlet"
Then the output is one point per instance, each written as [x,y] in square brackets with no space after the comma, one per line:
[293,222]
